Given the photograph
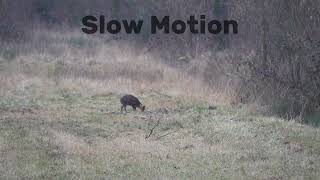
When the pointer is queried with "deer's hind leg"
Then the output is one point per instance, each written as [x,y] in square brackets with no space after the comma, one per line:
[134,108]
[123,107]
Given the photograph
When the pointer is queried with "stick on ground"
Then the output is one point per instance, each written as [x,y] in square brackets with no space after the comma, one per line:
[151,130]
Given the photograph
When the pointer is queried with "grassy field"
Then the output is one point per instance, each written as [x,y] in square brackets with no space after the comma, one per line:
[64,134]
[59,119]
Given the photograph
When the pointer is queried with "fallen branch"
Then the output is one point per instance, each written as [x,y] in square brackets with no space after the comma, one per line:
[151,130]
[167,134]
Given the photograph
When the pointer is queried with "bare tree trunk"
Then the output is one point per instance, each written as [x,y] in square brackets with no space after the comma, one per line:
[115,8]
[2,8]
[264,44]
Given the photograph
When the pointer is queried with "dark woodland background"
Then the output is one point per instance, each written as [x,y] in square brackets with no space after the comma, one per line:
[274,60]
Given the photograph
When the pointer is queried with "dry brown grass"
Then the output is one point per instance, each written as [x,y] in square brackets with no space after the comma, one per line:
[86,62]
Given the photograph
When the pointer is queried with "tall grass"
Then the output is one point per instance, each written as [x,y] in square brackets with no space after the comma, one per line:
[86,63]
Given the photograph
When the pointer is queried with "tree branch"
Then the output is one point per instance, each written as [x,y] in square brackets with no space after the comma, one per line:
[151,130]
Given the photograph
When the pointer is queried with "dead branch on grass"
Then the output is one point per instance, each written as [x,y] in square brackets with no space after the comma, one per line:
[152,129]
[167,134]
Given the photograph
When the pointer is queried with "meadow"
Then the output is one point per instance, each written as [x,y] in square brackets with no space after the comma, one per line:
[60,118]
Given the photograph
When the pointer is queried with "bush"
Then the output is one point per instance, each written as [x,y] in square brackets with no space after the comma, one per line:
[44,9]
[8,53]
[313,119]
[287,109]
